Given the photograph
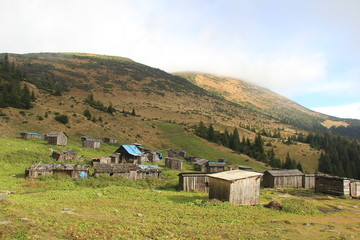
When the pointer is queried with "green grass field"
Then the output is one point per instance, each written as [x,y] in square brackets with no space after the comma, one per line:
[56,207]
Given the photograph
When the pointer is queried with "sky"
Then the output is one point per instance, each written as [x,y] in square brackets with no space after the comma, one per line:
[308,50]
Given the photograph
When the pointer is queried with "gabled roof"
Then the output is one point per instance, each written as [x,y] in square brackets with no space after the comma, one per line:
[285,172]
[216,164]
[55,134]
[132,150]
[235,175]
[201,161]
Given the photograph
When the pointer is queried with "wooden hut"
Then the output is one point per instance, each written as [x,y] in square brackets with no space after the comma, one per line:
[64,155]
[91,143]
[109,140]
[214,167]
[282,178]
[72,170]
[131,154]
[200,165]
[194,181]
[332,185]
[173,163]
[101,160]
[309,181]
[56,138]
[238,187]
[127,170]
[27,135]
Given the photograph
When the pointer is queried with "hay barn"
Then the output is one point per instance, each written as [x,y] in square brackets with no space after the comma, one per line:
[282,178]
[64,155]
[214,167]
[173,163]
[72,170]
[109,140]
[27,135]
[56,138]
[131,154]
[332,185]
[238,187]
[194,181]
[127,170]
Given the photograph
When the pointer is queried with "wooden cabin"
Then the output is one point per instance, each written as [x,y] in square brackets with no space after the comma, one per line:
[173,163]
[56,138]
[214,167]
[201,165]
[282,178]
[131,154]
[332,185]
[152,156]
[194,181]
[238,187]
[192,159]
[27,135]
[91,143]
[127,170]
[64,155]
[72,170]
[109,140]
[309,181]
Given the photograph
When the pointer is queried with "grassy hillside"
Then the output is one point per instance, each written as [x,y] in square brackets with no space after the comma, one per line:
[57,207]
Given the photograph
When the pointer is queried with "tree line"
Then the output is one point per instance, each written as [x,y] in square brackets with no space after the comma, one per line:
[255,149]
[12,92]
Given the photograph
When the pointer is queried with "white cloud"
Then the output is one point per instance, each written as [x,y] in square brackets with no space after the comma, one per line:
[345,111]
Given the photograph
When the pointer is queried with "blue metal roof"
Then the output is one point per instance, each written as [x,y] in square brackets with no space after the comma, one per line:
[132,149]
[148,167]
[28,133]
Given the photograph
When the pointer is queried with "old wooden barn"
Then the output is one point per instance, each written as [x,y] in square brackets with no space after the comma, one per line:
[173,163]
[91,143]
[282,178]
[64,155]
[72,170]
[109,140]
[214,167]
[56,138]
[28,135]
[309,181]
[193,181]
[127,170]
[332,185]
[201,165]
[238,187]
[131,154]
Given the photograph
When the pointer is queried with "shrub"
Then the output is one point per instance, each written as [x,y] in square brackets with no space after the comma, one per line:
[62,118]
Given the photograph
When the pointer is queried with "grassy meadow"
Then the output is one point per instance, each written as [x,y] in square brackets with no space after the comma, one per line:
[57,207]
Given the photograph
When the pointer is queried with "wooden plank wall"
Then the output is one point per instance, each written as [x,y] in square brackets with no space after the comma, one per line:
[173,163]
[245,191]
[219,189]
[336,186]
[194,182]
[309,181]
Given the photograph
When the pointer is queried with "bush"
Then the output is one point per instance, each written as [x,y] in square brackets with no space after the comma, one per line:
[62,119]
[299,206]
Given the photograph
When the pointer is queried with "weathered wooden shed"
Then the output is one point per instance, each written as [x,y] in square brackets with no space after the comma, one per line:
[201,165]
[91,143]
[193,181]
[238,187]
[64,155]
[56,138]
[72,170]
[173,163]
[214,167]
[332,185]
[282,178]
[309,181]
[127,170]
[101,160]
[28,135]
[131,154]
[109,140]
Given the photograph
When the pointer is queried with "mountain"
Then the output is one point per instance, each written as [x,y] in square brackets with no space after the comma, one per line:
[142,98]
